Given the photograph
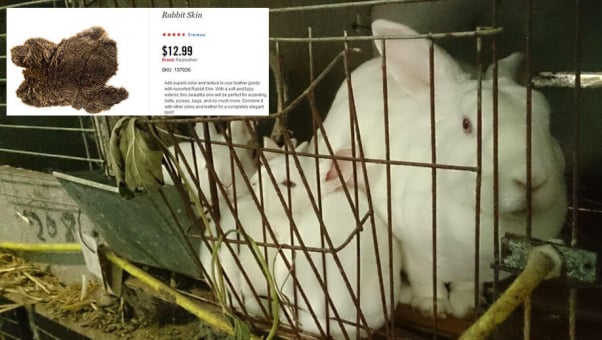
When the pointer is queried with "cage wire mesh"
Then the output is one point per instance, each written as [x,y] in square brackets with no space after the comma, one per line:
[300,236]
[255,264]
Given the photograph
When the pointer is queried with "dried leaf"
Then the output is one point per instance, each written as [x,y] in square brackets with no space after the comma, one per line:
[142,164]
[136,163]
[116,158]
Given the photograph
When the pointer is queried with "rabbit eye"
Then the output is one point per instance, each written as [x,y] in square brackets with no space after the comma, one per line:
[288,183]
[466,125]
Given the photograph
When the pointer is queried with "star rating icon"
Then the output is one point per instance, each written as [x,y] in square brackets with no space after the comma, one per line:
[172,34]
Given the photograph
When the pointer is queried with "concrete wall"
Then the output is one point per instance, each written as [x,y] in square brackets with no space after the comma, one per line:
[34,208]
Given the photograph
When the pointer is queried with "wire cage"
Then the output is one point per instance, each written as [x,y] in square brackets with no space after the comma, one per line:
[303,215]
[295,187]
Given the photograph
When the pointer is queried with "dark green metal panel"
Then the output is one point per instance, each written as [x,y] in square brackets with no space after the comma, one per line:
[141,229]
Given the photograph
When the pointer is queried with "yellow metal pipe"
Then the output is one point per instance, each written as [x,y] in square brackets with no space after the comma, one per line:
[51,247]
[192,307]
[543,263]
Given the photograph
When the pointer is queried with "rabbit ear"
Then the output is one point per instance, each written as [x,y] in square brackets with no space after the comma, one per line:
[199,128]
[302,147]
[294,142]
[512,67]
[408,59]
[239,129]
[269,143]
[332,180]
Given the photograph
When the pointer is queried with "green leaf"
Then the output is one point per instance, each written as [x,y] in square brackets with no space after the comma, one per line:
[241,330]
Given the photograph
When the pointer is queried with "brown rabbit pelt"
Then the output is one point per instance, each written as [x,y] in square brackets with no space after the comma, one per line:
[74,72]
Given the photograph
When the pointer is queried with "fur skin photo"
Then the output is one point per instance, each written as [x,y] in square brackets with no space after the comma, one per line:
[72,73]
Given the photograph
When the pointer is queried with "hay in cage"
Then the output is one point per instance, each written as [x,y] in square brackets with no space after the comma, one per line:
[30,283]
[86,308]
[34,283]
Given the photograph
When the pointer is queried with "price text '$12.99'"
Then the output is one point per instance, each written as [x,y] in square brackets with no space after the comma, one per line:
[177,51]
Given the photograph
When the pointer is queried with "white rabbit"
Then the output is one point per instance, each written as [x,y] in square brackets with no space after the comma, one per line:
[223,159]
[238,258]
[455,105]
[247,279]
[299,274]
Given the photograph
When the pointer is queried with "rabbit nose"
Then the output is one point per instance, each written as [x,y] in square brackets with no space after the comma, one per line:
[536,183]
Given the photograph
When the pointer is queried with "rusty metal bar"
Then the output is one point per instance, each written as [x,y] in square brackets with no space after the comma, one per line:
[390,323]
[572,303]
[281,121]
[496,163]
[529,120]
[433,141]
[49,128]
[391,162]
[85,140]
[101,134]
[315,113]
[479,171]
[52,155]
[355,130]
[486,31]
[352,121]
[342,5]
[529,181]
[210,165]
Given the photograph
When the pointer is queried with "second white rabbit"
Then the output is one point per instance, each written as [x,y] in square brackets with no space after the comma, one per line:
[454,101]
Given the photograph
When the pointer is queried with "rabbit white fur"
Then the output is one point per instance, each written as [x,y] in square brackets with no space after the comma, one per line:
[246,276]
[455,105]
[222,159]
[247,279]
[294,273]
